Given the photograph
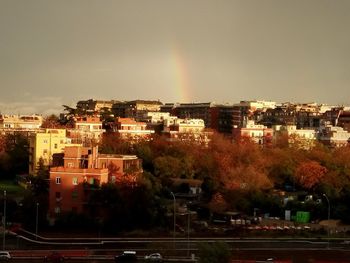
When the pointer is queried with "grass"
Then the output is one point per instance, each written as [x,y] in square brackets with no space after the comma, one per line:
[11,188]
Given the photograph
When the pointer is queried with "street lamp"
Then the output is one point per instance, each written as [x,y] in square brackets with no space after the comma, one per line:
[4,221]
[174,233]
[329,214]
[36,221]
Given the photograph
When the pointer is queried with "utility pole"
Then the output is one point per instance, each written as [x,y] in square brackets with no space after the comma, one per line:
[329,217]
[4,222]
[174,232]
[36,221]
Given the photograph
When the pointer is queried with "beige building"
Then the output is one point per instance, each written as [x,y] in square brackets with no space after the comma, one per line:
[334,136]
[128,128]
[305,137]
[28,122]
[87,130]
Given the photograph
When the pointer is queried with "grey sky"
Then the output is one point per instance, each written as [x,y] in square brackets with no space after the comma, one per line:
[57,52]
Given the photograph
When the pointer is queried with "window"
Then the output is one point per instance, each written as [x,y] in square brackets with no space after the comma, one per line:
[55,146]
[70,165]
[75,180]
[58,180]
[57,210]
[45,141]
[75,194]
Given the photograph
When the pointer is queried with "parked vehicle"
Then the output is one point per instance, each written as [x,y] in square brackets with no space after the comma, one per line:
[54,257]
[126,256]
[155,257]
[5,255]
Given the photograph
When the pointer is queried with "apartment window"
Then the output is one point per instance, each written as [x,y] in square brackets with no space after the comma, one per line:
[58,180]
[55,146]
[70,165]
[57,210]
[75,180]
[75,194]
[45,141]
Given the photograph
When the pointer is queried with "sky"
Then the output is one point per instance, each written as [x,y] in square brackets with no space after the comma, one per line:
[56,52]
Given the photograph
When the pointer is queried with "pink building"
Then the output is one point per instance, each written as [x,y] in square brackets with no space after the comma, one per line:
[85,169]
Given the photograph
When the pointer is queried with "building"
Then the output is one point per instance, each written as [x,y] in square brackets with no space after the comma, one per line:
[20,122]
[334,136]
[94,106]
[258,133]
[305,138]
[135,109]
[87,130]
[192,130]
[70,184]
[84,170]
[128,128]
[205,111]
[43,145]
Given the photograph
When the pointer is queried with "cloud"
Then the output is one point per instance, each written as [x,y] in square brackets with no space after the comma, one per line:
[43,106]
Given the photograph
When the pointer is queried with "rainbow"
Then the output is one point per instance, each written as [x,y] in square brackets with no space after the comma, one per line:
[181,77]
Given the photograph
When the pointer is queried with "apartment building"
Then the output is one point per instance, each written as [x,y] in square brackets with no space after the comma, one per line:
[135,109]
[86,130]
[19,122]
[334,136]
[305,138]
[94,106]
[128,128]
[192,130]
[256,132]
[84,170]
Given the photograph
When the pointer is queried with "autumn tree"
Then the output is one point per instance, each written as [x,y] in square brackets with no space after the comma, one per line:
[112,143]
[52,121]
[309,174]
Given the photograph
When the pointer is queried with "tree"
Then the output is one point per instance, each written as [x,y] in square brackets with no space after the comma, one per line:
[15,158]
[52,121]
[309,174]
[112,143]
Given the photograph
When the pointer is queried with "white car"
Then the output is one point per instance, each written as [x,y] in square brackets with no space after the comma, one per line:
[155,257]
[5,255]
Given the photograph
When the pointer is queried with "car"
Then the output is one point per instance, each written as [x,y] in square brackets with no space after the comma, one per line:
[155,257]
[126,256]
[5,255]
[54,257]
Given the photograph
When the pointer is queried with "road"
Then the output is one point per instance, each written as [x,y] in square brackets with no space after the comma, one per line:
[104,249]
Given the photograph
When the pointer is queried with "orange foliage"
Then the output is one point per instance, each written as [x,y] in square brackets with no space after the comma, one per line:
[310,173]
